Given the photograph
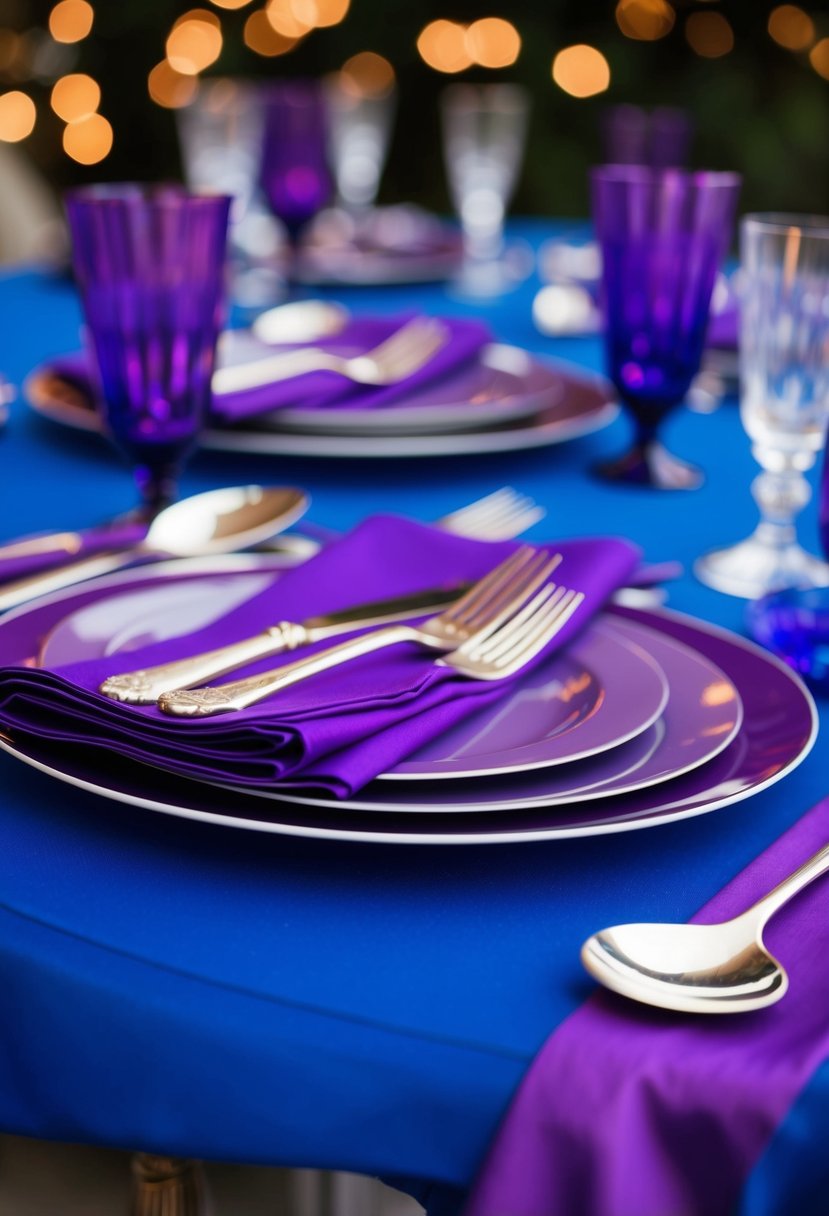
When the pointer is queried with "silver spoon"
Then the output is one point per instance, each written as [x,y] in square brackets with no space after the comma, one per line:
[300,321]
[721,968]
[219,521]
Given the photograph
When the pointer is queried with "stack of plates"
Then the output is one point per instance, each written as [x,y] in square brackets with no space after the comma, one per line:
[646,718]
[507,399]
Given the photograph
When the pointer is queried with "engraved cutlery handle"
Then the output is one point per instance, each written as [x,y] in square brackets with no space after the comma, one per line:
[145,686]
[239,694]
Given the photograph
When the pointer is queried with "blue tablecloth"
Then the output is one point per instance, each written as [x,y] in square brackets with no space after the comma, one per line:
[176,987]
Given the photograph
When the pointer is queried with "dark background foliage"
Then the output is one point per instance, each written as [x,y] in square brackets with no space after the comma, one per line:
[761,109]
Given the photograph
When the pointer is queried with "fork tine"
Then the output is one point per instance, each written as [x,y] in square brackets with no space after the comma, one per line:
[482,588]
[416,353]
[489,648]
[537,630]
[522,583]
[523,590]
[402,340]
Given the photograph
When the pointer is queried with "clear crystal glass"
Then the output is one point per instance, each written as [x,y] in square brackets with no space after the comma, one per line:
[360,123]
[484,133]
[784,372]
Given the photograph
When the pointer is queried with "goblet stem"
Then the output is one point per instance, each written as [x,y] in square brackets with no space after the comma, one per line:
[781,492]
[157,488]
[648,462]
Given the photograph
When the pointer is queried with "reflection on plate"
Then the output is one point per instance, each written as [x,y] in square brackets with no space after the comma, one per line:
[581,403]
[777,733]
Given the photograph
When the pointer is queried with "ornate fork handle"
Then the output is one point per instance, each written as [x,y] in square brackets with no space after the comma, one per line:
[239,694]
[146,686]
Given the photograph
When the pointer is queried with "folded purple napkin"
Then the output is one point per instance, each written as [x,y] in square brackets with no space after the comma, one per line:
[337,730]
[632,1111]
[314,390]
[108,539]
[724,328]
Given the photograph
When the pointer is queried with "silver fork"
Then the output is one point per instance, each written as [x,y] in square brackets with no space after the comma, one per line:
[399,356]
[489,605]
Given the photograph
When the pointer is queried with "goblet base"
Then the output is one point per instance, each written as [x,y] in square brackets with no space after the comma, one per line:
[794,625]
[651,465]
[481,278]
[755,568]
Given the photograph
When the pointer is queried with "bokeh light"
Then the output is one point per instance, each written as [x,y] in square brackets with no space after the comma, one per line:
[194,42]
[263,39]
[442,45]
[291,18]
[230,3]
[321,13]
[709,34]
[75,96]
[17,116]
[493,42]
[89,140]
[169,88]
[645,20]
[819,58]
[581,71]
[367,75]
[71,20]
[790,27]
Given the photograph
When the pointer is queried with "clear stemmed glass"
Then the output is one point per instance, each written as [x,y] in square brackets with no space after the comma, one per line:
[295,175]
[360,118]
[220,134]
[150,264]
[484,133]
[784,372]
[663,234]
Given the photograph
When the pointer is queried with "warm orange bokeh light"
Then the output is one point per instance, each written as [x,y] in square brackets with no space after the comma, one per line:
[791,27]
[645,20]
[17,116]
[75,96]
[291,18]
[194,42]
[321,13]
[89,140]
[262,38]
[71,20]
[367,75]
[709,34]
[493,42]
[169,88]
[230,3]
[581,71]
[442,45]
[819,58]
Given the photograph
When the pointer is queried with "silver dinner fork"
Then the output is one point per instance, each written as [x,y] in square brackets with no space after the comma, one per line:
[494,629]
[399,356]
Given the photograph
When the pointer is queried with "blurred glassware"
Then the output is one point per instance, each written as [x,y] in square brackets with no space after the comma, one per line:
[295,174]
[361,109]
[484,133]
[7,395]
[150,264]
[663,234]
[660,138]
[221,133]
[784,370]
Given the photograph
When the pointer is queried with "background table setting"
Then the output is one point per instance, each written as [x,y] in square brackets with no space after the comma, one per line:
[412,682]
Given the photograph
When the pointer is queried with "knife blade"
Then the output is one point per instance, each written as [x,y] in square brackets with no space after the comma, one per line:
[145,686]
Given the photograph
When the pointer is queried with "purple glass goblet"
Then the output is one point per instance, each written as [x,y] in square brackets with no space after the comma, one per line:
[660,138]
[295,175]
[663,234]
[150,264]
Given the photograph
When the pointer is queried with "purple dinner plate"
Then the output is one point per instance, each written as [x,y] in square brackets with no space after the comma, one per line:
[577,705]
[778,731]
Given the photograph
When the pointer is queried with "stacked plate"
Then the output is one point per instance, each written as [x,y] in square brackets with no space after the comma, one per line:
[505,400]
[646,718]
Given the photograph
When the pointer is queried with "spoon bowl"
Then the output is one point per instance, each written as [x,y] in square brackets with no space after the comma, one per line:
[690,968]
[722,968]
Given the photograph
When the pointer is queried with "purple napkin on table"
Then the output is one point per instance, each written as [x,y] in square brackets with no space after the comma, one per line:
[724,328]
[337,730]
[314,390]
[632,1111]
[111,538]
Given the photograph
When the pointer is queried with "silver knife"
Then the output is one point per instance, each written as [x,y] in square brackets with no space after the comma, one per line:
[144,687]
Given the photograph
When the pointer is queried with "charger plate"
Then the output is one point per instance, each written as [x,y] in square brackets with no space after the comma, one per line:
[778,731]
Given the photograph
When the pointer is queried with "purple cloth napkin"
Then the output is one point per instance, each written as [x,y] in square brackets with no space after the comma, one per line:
[337,730]
[108,539]
[632,1111]
[724,328]
[315,390]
